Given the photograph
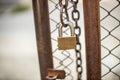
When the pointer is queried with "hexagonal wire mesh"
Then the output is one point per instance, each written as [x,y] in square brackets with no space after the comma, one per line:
[110,40]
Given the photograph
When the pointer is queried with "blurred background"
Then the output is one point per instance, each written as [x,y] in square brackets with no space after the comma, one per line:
[18,51]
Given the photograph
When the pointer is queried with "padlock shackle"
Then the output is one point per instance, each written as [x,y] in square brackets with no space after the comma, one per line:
[71,29]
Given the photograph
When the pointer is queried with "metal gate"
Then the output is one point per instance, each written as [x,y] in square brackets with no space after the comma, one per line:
[110,40]
[68,58]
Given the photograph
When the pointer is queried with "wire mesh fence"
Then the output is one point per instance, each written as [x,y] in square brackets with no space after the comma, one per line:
[63,59]
[110,40]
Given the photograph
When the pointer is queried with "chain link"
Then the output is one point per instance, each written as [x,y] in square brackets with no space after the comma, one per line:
[75,17]
[63,10]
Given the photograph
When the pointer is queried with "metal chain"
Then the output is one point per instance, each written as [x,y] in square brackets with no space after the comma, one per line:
[63,10]
[75,17]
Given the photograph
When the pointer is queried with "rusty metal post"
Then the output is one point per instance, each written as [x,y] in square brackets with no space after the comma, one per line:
[41,16]
[92,36]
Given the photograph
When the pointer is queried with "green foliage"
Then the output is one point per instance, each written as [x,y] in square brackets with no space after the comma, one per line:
[20,8]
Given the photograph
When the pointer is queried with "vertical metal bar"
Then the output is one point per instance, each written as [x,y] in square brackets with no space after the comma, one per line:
[92,37]
[41,16]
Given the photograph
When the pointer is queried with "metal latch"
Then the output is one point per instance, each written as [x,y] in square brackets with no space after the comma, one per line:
[55,74]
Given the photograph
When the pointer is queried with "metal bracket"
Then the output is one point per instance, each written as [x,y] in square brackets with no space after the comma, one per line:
[55,74]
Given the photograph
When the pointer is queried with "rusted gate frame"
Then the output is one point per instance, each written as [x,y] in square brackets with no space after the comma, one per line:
[92,36]
[42,27]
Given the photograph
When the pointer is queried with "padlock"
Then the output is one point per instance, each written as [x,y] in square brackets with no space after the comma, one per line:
[66,42]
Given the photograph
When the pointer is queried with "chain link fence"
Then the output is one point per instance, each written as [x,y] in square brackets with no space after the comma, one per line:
[63,59]
[110,40]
